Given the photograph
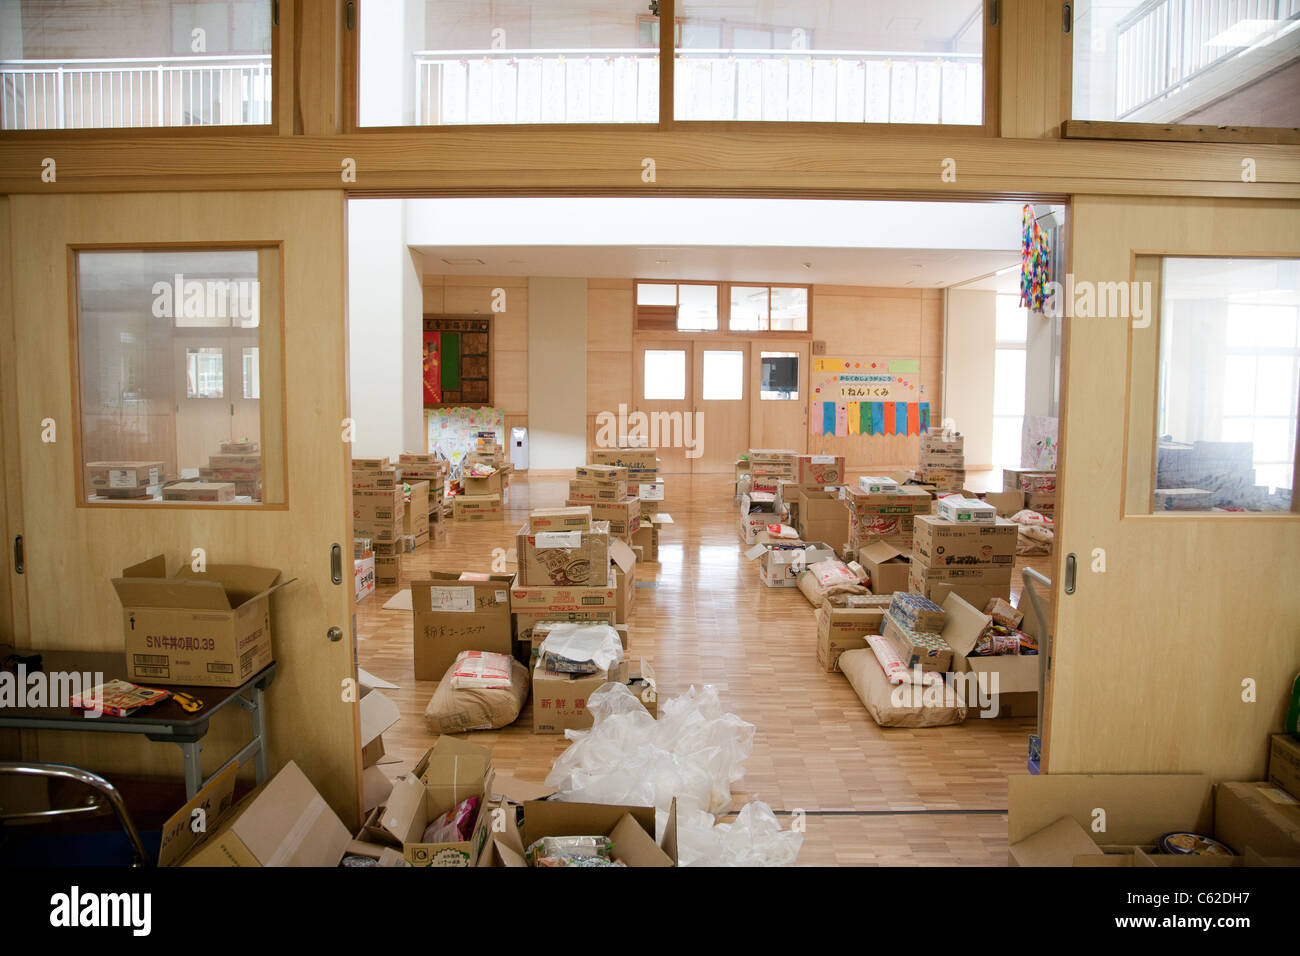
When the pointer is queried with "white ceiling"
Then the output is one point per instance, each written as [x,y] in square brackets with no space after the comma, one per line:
[919,268]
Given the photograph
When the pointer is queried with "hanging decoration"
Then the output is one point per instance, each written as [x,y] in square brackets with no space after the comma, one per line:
[867,398]
[1035,262]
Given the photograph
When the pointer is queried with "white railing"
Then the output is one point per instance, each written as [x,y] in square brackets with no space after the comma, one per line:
[622,86]
[1164,44]
[136,92]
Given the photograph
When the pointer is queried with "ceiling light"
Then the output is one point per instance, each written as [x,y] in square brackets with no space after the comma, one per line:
[1242,33]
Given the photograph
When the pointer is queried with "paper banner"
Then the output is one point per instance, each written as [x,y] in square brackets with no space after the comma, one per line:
[889,418]
[904,366]
[900,418]
[828,418]
[878,417]
[864,414]
[855,418]
[913,418]
[841,420]
[925,416]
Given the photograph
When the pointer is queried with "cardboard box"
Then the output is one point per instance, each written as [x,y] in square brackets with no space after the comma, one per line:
[1058,844]
[450,772]
[781,561]
[841,629]
[630,829]
[976,595]
[962,510]
[219,492]
[476,487]
[938,543]
[1012,678]
[363,576]
[874,485]
[1258,816]
[888,566]
[822,516]
[818,471]
[381,479]
[475,507]
[526,621]
[928,651]
[623,517]
[1002,612]
[624,561]
[602,473]
[646,537]
[1140,808]
[573,518]
[415,510]
[560,700]
[1015,479]
[388,569]
[1284,763]
[1006,503]
[372,507]
[210,628]
[534,598]
[115,475]
[906,501]
[639,462]
[451,615]
[593,491]
[284,822]
[757,511]
[562,558]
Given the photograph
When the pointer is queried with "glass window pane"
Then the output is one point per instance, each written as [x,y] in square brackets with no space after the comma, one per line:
[826,61]
[665,375]
[68,64]
[697,308]
[1009,382]
[652,293]
[724,376]
[166,340]
[789,310]
[780,376]
[1228,384]
[749,308]
[451,62]
[1011,320]
[1006,440]
[1210,62]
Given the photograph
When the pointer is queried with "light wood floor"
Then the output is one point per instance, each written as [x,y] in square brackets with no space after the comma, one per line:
[702,616]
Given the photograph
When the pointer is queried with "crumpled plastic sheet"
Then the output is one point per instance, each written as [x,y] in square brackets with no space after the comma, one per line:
[694,752]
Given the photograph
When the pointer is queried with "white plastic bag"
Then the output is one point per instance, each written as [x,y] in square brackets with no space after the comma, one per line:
[756,838]
[581,648]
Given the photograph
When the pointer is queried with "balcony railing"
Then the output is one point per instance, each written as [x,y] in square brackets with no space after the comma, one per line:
[1164,44]
[622,86]
[137,92]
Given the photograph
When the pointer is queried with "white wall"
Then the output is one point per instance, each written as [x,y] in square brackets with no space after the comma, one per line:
[1039,368]
[971,340]
[557,373]
[385,332]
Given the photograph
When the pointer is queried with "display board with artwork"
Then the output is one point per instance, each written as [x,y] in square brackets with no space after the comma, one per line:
[454,431]
[857,396]
[457,361]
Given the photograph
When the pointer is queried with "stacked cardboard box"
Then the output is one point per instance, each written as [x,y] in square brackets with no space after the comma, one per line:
[415,513]
[125,479]
[592,603]
[767,466]
[378,511]
[972,560]
[815,500]
[363,563]
[430,468]
[841,629]
[943,460]
[560,699]
[239,462]
[1038,487]
[604,490]
[644,484]
[886,517]
[575,555]
[757,511]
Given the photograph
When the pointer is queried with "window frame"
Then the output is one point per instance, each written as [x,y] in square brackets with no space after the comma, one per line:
[724,329]
[261,246]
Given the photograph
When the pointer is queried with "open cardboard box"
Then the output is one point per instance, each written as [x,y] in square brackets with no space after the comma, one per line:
[209,628]
[1012,678]
[887,565]
[631,829]
[782,560]
[841,629]
[623,560]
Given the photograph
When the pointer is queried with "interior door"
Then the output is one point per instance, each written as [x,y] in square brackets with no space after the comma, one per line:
[720,428]
[74,547]
[664,379]
[1177,649]
[778,395]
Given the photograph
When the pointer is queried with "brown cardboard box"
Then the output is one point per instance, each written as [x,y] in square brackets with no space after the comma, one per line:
[818,471]
[601,472]
[533,598]
[475,507]
[976,595]
[574,518]
[284,822]
[905,501]
[1058,844]
[452,615]
[382,479]
[917,648]
[562,558]
[646,537]
[222,492]
[1284,763]
[1139,808]
[630,829]
[526,621]
[593,491]
[1015,479]
[560,700]
[375,507]
[115,475]
[887,565]
[1257,816]
[841,629]
[1006,502]
[1008,684]
[450,772]
[624,562]
[415,512]
[623,517]
[478,487]
[937,543]
[1002,611]
[822,516]
[1043,504]
[780,567]
[388,569]
[210,628]
[923,576]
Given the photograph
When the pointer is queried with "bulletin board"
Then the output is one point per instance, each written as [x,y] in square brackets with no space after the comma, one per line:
[868,397]
[457,362]
[454,431]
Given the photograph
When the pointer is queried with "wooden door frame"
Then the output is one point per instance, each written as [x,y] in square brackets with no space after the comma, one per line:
[701,345]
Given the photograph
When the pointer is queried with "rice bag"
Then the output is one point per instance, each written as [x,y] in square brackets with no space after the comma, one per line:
[832,573]
[481,669]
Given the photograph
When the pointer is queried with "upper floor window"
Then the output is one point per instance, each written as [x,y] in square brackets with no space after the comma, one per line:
[75,65]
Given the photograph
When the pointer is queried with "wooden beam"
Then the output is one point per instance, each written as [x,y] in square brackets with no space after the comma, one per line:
[1180,132]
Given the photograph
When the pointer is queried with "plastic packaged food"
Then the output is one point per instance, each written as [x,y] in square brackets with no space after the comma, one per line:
[569,847]
[454,825]
[831,573]
[1193,844]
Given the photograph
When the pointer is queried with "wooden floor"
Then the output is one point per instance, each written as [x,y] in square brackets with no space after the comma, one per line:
[702,616]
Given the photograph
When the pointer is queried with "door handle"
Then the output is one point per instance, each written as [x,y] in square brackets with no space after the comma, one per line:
[1071,566]
[18,554]
[334,634]
[336,564]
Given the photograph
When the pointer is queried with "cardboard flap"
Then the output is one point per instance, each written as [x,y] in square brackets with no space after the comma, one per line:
[375,788]
[162,592]
[378,713]
[369,682]
[403,817]
[1140,808]
[561,818]
[669,839]
[879,552]
[634,846]
[963,624]
[178,833]
[519,791]
[621,554]
[290,824]
[242,583]
[155,567]
[1057,844]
